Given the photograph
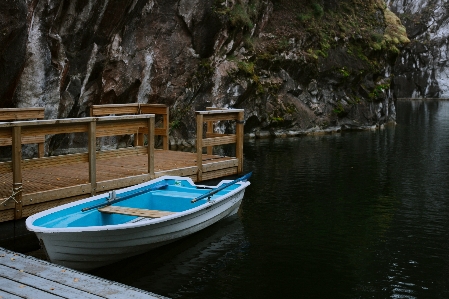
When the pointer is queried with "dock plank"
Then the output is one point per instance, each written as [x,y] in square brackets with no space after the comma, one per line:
[5,295]
[23,282]
[23,290]
[28,277]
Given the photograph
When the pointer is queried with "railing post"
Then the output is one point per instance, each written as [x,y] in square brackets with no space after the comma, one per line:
[199,146]
[40,150]
[210,129]
[239,144]
[92,148]
[138,139]
[17,170]
[150,146]
[166,122]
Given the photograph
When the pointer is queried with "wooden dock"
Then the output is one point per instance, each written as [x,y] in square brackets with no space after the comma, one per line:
[23,276]
[28,186]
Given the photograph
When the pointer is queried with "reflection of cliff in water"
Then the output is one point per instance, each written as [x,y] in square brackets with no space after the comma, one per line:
[186,264]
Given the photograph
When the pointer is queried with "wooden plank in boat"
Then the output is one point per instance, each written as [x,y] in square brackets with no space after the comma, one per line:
[135,212]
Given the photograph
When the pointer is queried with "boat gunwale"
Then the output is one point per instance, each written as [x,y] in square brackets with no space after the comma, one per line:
[40,229]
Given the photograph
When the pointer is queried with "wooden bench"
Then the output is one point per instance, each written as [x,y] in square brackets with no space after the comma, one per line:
[16,114]
[135,108]
[135,212]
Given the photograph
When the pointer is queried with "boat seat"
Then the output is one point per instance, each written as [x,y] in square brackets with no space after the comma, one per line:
[135,212]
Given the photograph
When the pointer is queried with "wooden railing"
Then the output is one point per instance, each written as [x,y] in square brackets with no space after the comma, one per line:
[212,139]
[15,114]
[22,131]
[127,109]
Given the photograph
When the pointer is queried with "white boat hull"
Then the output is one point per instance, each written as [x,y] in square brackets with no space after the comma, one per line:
[85,250]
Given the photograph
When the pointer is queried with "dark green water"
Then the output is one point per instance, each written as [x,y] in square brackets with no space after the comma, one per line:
[354,215]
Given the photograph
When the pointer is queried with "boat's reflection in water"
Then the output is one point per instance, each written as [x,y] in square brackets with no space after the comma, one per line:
[186,265]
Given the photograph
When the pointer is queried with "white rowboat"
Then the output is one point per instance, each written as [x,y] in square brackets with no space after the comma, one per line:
[102,229]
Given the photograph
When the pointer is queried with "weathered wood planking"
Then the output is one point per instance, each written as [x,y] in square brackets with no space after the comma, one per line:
[25,140]
[111,130]
[219,173]
[59,183]
[135,212]
[219,140]
[27,277]
[27,164]
[126,109]
[14,114]
[55,128]
[8,114]
[133,108]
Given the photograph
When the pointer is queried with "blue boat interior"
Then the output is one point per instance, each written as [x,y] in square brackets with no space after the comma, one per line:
[176,197]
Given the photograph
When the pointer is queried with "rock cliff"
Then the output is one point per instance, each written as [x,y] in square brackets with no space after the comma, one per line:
[422,70]
[294,66]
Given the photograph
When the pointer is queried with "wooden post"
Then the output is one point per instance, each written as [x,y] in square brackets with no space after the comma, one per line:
[91,149]
[138,139]
[210,129]
[239,144]
[17,170]
[165,137]
[40,150]
[199,146]
[150,146]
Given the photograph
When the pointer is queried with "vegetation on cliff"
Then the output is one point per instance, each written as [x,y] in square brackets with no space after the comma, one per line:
[311,63]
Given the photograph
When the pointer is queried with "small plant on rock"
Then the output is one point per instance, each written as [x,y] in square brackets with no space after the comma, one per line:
[318,10]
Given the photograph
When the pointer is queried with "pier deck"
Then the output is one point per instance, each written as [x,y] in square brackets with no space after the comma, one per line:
[22,276]
[28,186]
[112,173]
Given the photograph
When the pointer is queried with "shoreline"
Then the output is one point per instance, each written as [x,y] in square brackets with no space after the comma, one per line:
[261,134]
[185,145]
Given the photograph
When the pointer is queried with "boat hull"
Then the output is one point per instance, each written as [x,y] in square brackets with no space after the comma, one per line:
[85,250]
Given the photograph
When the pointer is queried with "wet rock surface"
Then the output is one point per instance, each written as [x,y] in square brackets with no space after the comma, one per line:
[422,70]
[295,67]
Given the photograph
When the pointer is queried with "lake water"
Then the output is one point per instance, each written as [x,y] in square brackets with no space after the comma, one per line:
[352,215]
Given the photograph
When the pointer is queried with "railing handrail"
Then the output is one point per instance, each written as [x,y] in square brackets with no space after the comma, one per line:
[71,121]
[212,110]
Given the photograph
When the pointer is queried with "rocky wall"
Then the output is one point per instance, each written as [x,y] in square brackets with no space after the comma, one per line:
[422,70]
[295,66]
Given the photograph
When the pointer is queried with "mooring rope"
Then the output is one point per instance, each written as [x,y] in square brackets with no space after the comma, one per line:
[15,191]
